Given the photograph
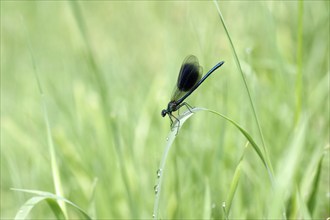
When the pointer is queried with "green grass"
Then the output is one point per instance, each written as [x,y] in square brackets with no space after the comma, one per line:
[108,68]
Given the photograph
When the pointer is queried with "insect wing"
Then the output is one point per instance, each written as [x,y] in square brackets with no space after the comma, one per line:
[190,74]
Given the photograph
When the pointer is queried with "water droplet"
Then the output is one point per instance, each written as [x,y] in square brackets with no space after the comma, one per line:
[167,139]
[213,205]
[159,172]
[248,50]
[223,204]
[153,216]
[156,189]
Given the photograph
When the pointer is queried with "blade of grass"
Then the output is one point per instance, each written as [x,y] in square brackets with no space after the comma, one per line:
[252,142]
[171,137]
[91,203]
[311,201]
[233,188]
[160,172]
[234,183]
[246,86]
[287,168]
[54,165]
[224,210]
[298,87]
[207,201]
[53,204]
[51,199]
[303,209]
[292,208]
[27,207]
[110,124]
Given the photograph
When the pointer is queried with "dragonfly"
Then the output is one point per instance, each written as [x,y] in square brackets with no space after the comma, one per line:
[189,79]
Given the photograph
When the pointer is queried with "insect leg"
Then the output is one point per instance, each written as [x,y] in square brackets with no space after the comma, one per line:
[172,123]
[187,106]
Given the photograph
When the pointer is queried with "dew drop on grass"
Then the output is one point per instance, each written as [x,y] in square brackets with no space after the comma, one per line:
[167,139]
[156,189]
[159,172]
[213,205]
[153,216]
[223,204]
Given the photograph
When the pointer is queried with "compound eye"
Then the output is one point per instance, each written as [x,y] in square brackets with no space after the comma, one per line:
[163,112]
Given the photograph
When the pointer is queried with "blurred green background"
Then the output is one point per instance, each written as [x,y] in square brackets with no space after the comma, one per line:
[107,69]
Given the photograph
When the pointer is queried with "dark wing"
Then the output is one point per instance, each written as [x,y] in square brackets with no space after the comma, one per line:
[190,74]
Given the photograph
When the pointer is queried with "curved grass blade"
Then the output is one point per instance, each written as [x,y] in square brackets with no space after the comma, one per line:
[55,208]
[311,202]
[169,141]
[171,137]
[252,142]
[246,86]
[234,183]
[27,207]
[51,199]
[50,142]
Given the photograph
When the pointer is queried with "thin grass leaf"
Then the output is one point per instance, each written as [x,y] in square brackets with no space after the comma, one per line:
[303,212]
[26,208]
[110,124]
[234,183]
[311,201]
[292,206]
[171,137]
[207,201]
[252,142]
[224,210]
[177,125]
[299,58]
[51,199]
[287,168]
[91,203]
[54,205]
[247,89]
[233,188]
[50,142]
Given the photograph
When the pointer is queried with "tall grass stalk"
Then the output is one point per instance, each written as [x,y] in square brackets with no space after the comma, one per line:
[299,57]
[177,125]
[245,85]
[54,165]
[111,125]
[170,139]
